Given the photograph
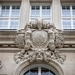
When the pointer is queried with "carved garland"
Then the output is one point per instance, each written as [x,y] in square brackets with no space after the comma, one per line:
[39,41]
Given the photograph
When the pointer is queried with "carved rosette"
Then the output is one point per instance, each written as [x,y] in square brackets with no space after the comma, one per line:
[39,41]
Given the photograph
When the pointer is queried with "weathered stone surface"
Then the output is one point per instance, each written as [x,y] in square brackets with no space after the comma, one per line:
[39,41]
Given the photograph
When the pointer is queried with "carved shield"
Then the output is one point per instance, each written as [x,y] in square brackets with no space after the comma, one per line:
[39,38]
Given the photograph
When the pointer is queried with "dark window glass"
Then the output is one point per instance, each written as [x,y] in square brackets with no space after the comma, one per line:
[33,7]
[26,73]
[48,7]
[73,7]
[3,7]
[68,7]
[37,7]
[43,7]
[44,71]
[63,7]
[34,71]
[13,7]
[7,7]
[52,73]
[17,7]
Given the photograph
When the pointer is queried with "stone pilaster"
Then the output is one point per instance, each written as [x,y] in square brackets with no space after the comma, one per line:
[24,13]
[56,13]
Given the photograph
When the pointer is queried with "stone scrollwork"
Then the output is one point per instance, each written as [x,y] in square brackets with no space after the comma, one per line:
[1,63]
[39,41]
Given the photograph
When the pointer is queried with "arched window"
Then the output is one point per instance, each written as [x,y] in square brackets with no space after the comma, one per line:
[39,71]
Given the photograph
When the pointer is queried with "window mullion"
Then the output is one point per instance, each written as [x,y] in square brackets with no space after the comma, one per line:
[10,17]
[0,9]
[50,14]
[39,70]
[71,17]
[61,18]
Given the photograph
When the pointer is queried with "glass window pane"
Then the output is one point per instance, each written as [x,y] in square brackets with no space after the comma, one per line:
[73,24]
[33,8]
[17,7]
[13,7]
[45,13]
[3,24]
[3,7]
[35,11]
[7,7]
[37,7]
[26,73]
[32,13]
[45,10]
[39,71]
[44,71]
[63,7]
[73,10]
[66,24]
[51,73]
[34,71]
[66,11]
[48,7]
[14,24]
[68,7]
[15,10]
[5,11]
[43,7]
[73,7]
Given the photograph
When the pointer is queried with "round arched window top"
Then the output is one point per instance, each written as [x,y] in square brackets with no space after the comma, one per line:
[39,71]
[52,66]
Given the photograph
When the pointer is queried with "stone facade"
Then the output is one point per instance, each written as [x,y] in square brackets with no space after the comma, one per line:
[13,44]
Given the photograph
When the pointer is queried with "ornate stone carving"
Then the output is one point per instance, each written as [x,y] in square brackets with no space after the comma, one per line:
[39,41]
[1,64]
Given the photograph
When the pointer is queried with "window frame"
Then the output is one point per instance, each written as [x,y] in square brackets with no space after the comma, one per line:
[10,17]
[39,65]
[40,16]
[68,17]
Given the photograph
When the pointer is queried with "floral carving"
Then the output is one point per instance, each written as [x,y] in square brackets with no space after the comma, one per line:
[39,41]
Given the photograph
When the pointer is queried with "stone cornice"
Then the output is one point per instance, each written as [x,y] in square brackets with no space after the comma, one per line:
[14,50]
[9,50]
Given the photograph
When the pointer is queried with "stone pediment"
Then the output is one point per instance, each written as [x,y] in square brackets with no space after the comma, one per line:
[39,41]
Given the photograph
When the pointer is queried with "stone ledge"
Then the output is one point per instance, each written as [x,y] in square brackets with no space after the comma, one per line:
[68,50]
[13,50]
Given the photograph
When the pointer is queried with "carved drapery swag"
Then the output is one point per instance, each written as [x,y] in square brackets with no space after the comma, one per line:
[39,41]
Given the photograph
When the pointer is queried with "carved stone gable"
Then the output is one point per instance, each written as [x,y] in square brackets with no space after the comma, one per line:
[39,41]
